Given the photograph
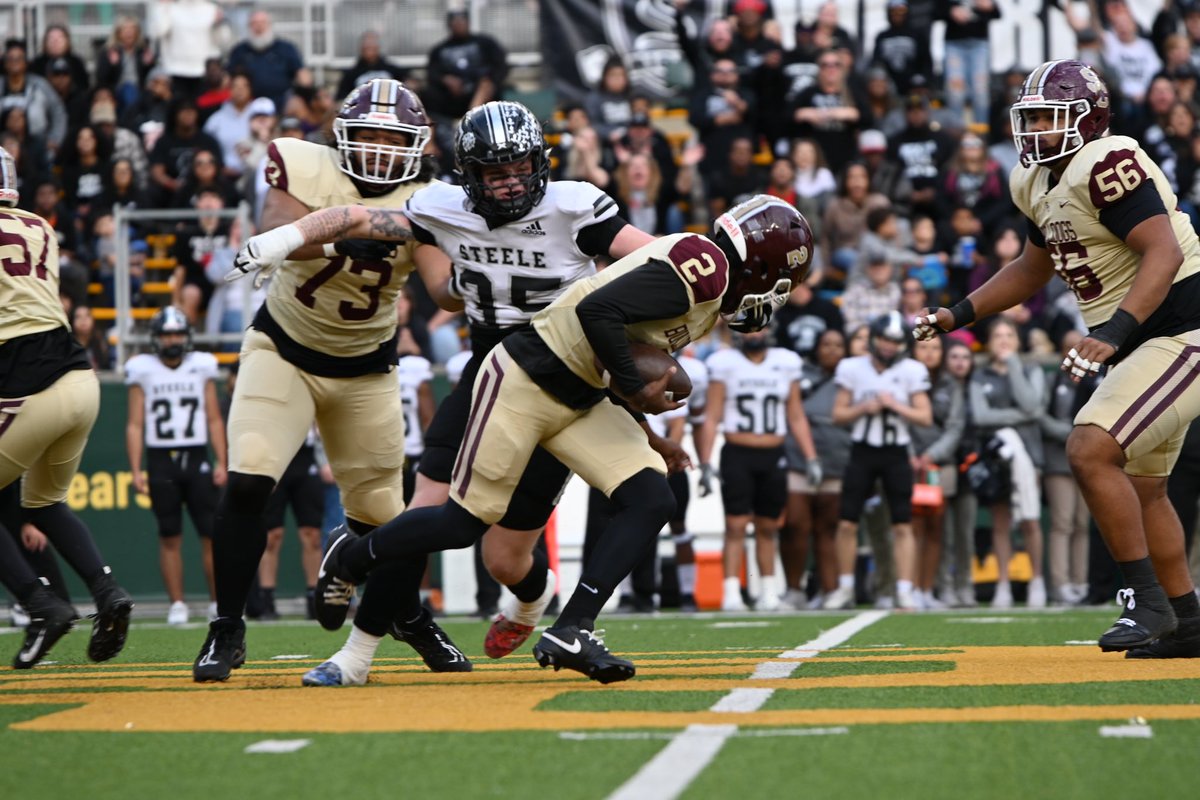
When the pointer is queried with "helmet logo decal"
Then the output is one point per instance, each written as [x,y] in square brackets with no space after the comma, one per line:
[797,258]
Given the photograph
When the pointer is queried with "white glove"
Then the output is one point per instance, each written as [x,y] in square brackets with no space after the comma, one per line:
[264,252]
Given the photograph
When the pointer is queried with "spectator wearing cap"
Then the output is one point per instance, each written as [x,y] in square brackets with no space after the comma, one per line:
[125,60]
[56,45]
[829,112]
[230,124]
[902,49]
[1186,78]
[45,115]
[371,65]
[464,70]
[152,105]
[609,105]
[977,181]
[750,36]
[171,158]
[887,176]
[924,152]
[184,31]
[270,62]
[967,69]
[74,99]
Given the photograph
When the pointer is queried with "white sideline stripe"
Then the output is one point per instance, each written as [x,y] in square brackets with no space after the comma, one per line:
[1127,731]
[291,657]
[763,733]
[673,769]
[276,746]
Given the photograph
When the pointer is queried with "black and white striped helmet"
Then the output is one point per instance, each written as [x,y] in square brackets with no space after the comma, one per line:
[497,133]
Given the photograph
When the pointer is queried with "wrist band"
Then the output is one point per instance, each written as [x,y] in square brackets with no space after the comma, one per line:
[963,312]
[330,250]
[1117,330]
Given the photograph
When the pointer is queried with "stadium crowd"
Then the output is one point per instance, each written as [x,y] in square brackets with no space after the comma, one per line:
[899,164]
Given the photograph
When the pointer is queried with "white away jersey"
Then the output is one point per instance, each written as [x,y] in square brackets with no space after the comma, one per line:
[411,372]
[174,398]
[902,380]
[507,274]
[455,366]
[755,394]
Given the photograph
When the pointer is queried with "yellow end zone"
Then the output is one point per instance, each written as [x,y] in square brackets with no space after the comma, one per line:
[505,695]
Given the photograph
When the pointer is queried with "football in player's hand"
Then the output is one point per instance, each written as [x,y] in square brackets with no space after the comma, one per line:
[653,363]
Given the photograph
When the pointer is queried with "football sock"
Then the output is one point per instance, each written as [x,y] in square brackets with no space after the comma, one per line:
[642,505]
[71,539]
[687,578]
[360,644]
[15,572]
[1186,605]
[1139,575]
[846,581]
[239,540]
[392,592]
[530,588]
[418,531]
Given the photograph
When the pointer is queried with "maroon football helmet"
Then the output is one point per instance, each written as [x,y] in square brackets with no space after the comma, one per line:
[8,179]
[773,246]
[1077,98]
[381,104]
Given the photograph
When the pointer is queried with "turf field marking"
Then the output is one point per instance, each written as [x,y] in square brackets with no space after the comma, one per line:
[746,624]
[291,657]
[277,746]
[673,769]
[1135,731]
[1082,641]
[584,736]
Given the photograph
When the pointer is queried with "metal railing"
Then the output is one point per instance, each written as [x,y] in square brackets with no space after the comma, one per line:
[126,335]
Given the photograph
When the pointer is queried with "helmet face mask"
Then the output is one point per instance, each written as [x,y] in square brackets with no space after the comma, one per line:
[1074,99]
[381,105]
[771,243]
[495,134]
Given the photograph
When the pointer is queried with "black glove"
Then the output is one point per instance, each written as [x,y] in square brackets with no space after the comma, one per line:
[365,249]
[753,319]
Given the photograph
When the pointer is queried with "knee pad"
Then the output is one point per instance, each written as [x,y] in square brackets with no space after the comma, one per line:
[374,500]
[248,494]
[647,490]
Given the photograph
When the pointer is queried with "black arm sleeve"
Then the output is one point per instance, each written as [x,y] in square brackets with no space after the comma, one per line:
[1032,232]
[1136,207]
[422,235]
[650,292]
[596,240]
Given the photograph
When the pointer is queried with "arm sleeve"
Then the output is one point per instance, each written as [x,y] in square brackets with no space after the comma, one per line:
[650,292]
[596,240]
[1136,207]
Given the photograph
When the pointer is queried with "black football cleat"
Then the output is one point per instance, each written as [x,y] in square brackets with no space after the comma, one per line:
[572,647]
[110,625]
[224,651]
[1143,619]
[1183,643]
[432,644]
[50,618]
[334,591]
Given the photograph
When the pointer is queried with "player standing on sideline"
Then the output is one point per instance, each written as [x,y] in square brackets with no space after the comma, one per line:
[756,390]
[173,411]
[1102,215]
[543,386]
[323,347]
[518,241]
[49,399]
[685,552]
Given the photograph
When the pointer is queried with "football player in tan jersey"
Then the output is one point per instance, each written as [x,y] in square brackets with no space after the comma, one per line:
[49,398]
[541,386]
[1103,217]
[323,347]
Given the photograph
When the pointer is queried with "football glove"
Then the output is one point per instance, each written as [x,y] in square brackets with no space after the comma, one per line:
[262,254]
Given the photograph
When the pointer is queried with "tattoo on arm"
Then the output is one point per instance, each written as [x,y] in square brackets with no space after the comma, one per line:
[388,224]
[325,225]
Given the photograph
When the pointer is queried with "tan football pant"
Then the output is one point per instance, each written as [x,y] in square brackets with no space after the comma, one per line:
[43,436]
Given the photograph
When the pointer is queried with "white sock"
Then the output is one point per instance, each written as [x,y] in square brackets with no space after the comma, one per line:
[687,578]
[360,646]
[733,586]
[846,581]
[904,587]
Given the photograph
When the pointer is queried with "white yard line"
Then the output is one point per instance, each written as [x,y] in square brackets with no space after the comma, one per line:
[669,773]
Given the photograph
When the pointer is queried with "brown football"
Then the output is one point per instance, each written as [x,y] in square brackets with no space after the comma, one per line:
[653,363]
